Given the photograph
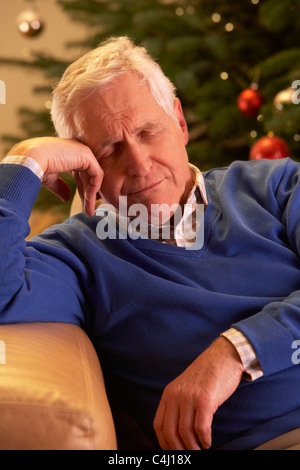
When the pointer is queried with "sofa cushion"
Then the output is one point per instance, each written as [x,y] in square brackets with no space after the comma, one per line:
[52,392]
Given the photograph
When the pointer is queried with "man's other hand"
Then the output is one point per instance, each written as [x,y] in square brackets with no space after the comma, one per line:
[184,416]
[56,156]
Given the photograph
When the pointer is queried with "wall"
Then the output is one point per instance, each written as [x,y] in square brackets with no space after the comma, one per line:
[19,82]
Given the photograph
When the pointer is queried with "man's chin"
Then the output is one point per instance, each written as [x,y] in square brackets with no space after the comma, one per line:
[152,211]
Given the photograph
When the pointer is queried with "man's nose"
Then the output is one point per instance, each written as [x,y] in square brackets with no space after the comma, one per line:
[137,159]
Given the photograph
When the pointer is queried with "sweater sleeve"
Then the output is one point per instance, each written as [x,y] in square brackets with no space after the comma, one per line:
[37,283]
[273,330]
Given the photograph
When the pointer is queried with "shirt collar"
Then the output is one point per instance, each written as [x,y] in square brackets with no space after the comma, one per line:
[196,196]
[198,183]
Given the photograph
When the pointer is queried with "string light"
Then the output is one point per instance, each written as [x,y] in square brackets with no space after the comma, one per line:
[255,2]
[224,75]
[216,17]
[229,27]
[253,134]
[179,11]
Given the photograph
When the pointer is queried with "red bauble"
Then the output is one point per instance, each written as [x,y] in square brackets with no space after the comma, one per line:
[271,148]
[249,102]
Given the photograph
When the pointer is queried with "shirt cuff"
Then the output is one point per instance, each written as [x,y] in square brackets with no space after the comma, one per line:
[24,161]
[252,368]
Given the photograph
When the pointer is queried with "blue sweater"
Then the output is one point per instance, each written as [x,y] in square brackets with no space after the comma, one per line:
[150,309]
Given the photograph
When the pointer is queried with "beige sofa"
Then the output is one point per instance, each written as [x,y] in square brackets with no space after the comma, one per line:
[52,392]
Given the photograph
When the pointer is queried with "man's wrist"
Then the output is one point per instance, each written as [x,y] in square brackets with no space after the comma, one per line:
[226,348]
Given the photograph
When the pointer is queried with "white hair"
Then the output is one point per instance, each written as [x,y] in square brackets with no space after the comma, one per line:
[95,70]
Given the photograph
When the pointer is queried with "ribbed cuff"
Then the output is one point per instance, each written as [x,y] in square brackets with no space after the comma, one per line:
[19,185]
[271,342]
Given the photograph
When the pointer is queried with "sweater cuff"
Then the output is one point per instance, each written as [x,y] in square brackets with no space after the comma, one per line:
[252,368]
[272,350]
[25,161]
[19,185]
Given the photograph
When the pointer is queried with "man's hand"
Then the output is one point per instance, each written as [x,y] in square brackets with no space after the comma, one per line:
[56,156]
[185,413]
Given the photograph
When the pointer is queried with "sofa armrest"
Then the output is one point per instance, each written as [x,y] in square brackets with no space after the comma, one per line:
[52,392]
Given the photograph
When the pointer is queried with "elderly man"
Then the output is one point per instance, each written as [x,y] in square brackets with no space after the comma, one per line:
[195,340]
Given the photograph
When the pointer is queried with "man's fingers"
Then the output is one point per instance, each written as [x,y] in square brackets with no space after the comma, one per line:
[163,426]
[186,427]
[171,429]
[203,424]
[174,425]
[91,179]
[89,190]
[88,187]
[182,428]
[158,425]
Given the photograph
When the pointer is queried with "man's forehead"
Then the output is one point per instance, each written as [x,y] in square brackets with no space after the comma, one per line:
[128,106]
[148,126]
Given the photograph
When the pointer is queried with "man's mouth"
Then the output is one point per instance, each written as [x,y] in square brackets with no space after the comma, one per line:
[145,188]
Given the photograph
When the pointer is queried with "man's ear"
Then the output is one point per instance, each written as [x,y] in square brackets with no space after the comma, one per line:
[181,120]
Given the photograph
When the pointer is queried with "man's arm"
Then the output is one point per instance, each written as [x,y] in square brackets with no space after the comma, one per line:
[185,413]
[273,330]
[39,281]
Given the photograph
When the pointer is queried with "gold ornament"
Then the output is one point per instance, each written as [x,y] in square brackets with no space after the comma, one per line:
[282,98]
[29,23]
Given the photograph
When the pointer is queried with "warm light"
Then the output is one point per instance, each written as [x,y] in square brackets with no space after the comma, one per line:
[253,134]
[224,75]
[24,27]
[35,24]
[179,11]
[229,27]
[216,18]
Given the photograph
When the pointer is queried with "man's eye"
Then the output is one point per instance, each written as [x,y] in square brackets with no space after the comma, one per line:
[106,155]
[109,152]
[147,135]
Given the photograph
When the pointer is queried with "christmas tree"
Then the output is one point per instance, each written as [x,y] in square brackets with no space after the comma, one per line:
[235,65]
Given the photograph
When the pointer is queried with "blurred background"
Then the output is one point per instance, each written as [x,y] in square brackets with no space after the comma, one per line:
[235,64]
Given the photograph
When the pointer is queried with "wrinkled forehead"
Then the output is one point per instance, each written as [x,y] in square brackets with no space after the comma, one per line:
[126,100]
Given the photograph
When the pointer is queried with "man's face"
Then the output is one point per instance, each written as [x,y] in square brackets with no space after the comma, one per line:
[140,148]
